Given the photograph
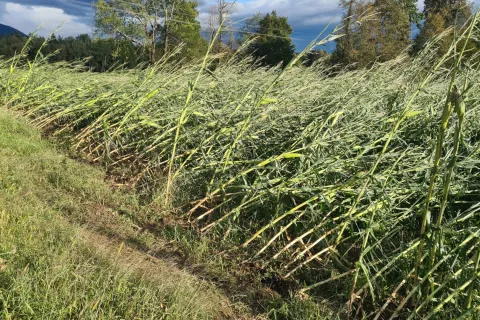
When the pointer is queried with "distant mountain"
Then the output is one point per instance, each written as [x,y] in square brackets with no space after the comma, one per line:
[6,30]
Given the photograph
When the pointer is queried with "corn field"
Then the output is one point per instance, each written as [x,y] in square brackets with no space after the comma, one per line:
[362,185]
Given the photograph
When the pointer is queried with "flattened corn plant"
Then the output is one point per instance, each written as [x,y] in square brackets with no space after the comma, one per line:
[362,185]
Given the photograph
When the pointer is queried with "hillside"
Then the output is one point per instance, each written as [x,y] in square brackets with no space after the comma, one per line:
[6,30]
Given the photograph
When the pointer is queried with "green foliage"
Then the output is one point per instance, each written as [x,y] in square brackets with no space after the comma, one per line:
[394,28]
[440,15]
[374,31]
[251,26]
[136,21]
[453,6]
[100,55]
[150,24]
[273,44]
[411,7]
[11,44]
[185,30]
[295,308]
[344,52]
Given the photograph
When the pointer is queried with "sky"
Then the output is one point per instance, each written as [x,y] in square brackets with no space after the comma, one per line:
[307,17]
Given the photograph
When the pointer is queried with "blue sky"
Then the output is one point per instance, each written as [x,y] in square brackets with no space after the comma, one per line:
[307,17]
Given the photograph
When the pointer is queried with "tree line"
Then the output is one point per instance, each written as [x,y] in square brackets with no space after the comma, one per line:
[99,55]
[380,30]
[128,33]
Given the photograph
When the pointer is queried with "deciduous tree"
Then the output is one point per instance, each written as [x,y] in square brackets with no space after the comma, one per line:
[149,23]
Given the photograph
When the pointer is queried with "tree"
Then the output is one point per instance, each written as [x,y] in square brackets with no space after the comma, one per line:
[394,28]
[184,28]
[344,52]
[212,23]
[149,23]
[223,9]
[367,37]
[136,20]
[99,55]
[251,27]
[374,31]
[313,56]
[414,16]
[453,9]
[218,22]
[440,15]
[273,44]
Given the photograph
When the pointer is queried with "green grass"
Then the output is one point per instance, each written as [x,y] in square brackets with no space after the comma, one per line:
[357,186]
[51,269]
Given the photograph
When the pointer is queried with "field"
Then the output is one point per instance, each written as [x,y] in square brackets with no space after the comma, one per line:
[357,186]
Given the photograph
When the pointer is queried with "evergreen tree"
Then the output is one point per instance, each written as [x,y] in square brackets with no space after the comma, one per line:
[185,29]
[374,31]
[251,27]
[414,16]
[366,37]
[394,28]
[440,15]
[273,44]
[344,52]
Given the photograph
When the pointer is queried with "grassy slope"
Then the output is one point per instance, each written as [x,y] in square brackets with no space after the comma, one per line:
[51,269]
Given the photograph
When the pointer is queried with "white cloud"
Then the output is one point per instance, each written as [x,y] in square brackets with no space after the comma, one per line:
[300,13]
[28,18]
[307,17]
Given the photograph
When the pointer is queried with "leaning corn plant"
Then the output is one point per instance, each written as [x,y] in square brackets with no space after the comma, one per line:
[322,175]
